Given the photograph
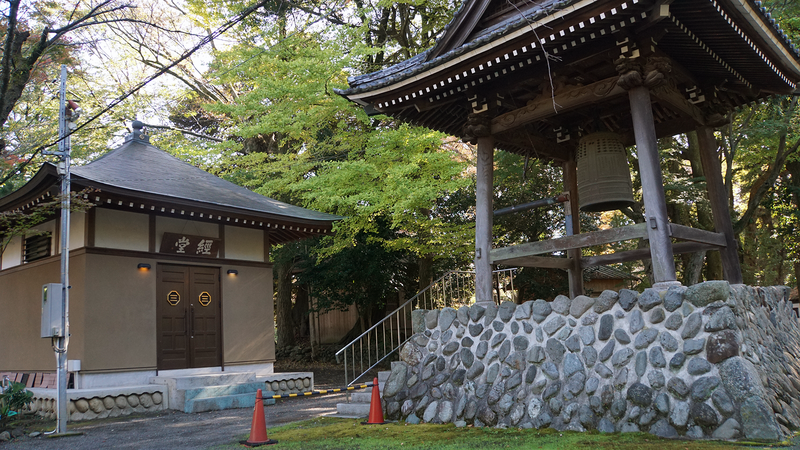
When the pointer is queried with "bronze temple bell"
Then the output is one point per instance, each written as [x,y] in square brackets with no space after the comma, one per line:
[604,182]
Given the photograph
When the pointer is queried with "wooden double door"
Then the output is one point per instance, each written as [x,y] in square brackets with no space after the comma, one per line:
[189,312]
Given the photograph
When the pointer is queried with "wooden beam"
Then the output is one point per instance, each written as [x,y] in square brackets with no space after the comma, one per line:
[221,234]
[547,262]
[642,254]
[572,97]
[685,233]
[539,146]
[572,221]
[151,233]
[673,98]
[570,242]
[483,221]
[655,204]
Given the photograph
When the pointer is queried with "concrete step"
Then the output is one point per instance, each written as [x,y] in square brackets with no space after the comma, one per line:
[202,380]
[384,375]
[219,403]
[223,391]
[353,409]
[361,397]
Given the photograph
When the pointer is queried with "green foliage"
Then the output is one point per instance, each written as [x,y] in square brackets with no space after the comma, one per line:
[13,399]
[20,222]
[300,142]
[365,274]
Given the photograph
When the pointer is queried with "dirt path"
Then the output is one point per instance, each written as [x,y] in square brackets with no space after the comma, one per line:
[177,430]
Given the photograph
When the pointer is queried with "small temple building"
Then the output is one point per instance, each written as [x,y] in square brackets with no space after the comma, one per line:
[169,271]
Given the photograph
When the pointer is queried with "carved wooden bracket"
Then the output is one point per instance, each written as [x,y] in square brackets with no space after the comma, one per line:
[631,74]
[478,125]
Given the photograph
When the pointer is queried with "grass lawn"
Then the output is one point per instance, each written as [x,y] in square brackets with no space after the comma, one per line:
[347,434]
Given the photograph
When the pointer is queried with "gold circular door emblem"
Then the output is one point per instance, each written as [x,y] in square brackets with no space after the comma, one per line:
[173,298]
[205,298]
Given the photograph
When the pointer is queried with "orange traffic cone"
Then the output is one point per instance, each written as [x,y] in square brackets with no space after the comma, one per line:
[375,408]
[258,428]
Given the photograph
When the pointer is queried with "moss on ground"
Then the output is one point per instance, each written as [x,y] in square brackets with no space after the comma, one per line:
[347,434]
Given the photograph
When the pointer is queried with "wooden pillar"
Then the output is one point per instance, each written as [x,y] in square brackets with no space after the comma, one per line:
[483,221]
[573,226]
[719,204]
[655,204]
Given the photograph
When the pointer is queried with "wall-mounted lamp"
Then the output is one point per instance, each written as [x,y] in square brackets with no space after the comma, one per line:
[143,266]
[233,272]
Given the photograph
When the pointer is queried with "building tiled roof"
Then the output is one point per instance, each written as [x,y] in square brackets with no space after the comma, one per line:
[139,176]
[139,166]
[438,55]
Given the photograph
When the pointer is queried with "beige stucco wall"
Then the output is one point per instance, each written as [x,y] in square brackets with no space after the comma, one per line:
[113,304]
[247,315]
[21,347]
[185,226]
[49,227]
[120,314]
[121,230]
[12,256]
[246,244]
[77,231]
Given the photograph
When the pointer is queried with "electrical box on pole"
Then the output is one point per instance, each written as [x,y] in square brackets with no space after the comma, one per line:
[52,319]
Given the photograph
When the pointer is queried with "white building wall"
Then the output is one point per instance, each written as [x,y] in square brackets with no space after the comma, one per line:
[49,227]
[12,256]
[244,243]
[77,230]
[121,230]
[184,226]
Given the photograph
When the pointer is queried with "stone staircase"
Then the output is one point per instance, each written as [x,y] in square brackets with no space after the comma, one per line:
[359,403]
[212,392]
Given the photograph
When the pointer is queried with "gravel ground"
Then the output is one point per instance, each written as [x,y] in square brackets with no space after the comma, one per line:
[177,430]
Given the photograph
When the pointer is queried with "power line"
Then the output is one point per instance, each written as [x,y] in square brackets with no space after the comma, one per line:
[216,33]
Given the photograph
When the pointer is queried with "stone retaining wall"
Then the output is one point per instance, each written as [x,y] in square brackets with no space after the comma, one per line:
[289,383]
[708,361]
[87,404]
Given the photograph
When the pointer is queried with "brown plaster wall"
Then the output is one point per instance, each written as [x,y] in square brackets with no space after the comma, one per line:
[21,347]
[247,315]
[120,314]
[113,314]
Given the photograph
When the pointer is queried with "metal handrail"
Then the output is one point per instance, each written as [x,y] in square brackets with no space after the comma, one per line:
[455,288]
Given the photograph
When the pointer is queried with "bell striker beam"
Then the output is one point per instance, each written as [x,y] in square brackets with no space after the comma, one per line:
[638,83]
[478,130]
[573,225]
[719,204]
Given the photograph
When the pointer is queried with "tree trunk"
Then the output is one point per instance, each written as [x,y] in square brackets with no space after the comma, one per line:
[797,275]
[694,268]
[793,167]
[300,311]
[285,331]
[749,265]
[425,272]
[704,219]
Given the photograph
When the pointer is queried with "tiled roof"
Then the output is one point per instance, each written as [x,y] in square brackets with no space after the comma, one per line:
[139,166]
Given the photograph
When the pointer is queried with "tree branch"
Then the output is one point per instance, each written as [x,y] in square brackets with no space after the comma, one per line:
[765,183]
[184,131]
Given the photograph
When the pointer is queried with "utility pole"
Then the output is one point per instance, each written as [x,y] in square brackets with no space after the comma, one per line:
[60,343]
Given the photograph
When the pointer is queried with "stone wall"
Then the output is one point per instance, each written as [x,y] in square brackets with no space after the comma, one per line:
[708,361]
[289,383]
[87,404]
